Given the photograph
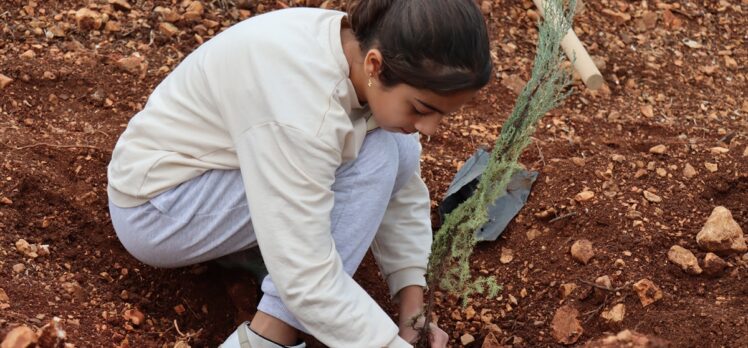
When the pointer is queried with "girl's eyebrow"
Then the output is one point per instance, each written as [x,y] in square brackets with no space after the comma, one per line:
[429,106]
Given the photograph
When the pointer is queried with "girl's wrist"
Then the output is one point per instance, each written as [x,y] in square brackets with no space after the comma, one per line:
[411,304]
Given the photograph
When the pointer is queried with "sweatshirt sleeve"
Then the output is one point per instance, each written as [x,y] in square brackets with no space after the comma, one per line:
[288,175]
[403,242]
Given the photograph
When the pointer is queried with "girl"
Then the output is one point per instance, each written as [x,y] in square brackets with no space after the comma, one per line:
[290,132]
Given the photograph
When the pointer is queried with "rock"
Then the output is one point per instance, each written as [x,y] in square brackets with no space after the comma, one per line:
[566,289]
[566,327]
[582,251]
[584,196]
[467,339]
[121,5]
[652,197]
[19,268]
[6,201]
[74,289]
[135,316]
[684,258]
[671,21]
[52,335]
[649,19]
[689,171]
[168,29]
[486,7]
[721,234]
[533,233]
[20,337]
[112,27]
[135,65]
[31,250]
[647,111]
[28,54]
[658,149]
[194,11]
[648,292]
[3,296]
[514,82]
[4,81]
[491,341]
[615,314]
[167,14]
[712,167]
[628,339]
[713,264]
[88,19]
[745,152]
[507,255]
[718,150]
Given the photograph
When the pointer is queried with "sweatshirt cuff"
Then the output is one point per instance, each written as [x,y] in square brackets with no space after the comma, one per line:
[406,277]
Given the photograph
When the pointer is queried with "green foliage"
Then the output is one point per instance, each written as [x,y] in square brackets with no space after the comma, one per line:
[449,266]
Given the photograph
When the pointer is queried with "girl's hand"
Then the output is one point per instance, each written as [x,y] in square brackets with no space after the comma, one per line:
[437,337]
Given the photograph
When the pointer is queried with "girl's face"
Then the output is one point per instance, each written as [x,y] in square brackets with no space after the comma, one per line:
[405,109]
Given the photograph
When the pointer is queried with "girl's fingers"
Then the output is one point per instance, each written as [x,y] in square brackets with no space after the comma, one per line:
[438,338]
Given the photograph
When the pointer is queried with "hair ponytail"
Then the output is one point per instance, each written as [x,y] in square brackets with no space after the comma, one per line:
[439,45]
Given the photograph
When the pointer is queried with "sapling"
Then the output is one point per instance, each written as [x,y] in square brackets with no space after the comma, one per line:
[449,267]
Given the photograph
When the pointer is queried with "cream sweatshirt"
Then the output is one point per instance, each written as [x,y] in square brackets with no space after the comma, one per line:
[271,96]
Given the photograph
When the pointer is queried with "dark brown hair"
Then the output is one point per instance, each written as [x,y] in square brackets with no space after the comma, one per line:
[438,45]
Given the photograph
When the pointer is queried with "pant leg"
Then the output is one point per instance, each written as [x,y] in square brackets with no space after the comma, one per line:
[208,217]
[362,190]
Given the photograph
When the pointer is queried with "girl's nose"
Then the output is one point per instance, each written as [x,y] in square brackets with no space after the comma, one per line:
[428,125]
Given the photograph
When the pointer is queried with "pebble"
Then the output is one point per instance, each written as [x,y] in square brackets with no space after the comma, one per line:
[647,111]
[134,65]
[745,152]
[507,255]
[713,264]
[584,196]
[20,337]
[121,5]
[689,171]
[168,29]
[87,19]
[582,251]
[721,233]
[5,81]
[566,327]
[29,54]
[134,316]
[615,314]
[647,291]
[719,150]
[467,339]
[712,167]
[685,259]
[564,290]
[658,149]
[652,197]
[19,268]
[533,233]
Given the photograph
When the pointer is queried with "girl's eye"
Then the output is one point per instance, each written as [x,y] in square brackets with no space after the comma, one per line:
[419,112]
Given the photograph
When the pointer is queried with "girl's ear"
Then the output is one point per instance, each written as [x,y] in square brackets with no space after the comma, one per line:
[373,62]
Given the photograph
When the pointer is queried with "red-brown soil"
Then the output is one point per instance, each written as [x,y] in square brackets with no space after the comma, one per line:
[688,60]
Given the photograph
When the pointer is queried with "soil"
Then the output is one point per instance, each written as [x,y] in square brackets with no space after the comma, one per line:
[70,100]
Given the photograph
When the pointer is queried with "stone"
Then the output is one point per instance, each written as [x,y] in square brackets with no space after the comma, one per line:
[685,259]
[689,171]
[533,233]
[134,65]
[28,54]
[168,29]
[20,337]
[507,255]
[647,291]
[194,11]
[721,233]
[467,339]
[652,197]
[74,289]
[647,111]
[658,149]
[628,339]
[4,81]
[582,251]
[745,152]
[121,5]
[565,326]
[718,150]
[712,167]
[584,196]
[19,268]
[87,19]
[615,314]
[713,264]
[566,289]
[135,316]
[491,341]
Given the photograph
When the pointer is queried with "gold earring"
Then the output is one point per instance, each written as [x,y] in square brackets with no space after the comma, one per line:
[369,84]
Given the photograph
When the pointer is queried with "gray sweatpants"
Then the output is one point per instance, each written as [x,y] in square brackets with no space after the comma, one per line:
[208,217]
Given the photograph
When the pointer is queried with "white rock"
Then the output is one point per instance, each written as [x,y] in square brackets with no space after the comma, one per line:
[582,251]
[721,233]
[689,171]
[658,149]
[685,259]
[615,314]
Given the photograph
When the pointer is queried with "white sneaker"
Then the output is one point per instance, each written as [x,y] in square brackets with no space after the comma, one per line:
[243,337]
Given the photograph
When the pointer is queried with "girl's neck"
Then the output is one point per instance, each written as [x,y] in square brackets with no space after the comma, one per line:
[352,51]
